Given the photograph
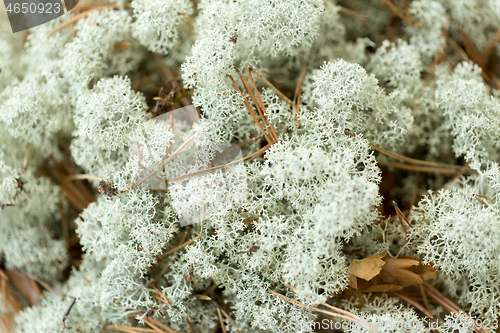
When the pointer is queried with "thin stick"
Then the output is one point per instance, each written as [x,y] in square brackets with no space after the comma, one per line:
[458,50]
[121,46]
[153,326]
[400,214]
[270,85]
[177,248]
[210,290]
[325,304]
[164,269]
[252,82]
[249,108]
[249,140]
[398,12]
[88,5]
[414,303]
[67,313]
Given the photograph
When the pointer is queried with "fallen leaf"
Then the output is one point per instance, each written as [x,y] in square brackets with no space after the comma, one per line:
[366,268]
[382,273]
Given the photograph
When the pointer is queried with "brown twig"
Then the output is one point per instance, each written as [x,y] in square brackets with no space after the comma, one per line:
[83,176]
[154,324]
[42,283]
[251,220]
[229,319]
[329,313]
[121,46]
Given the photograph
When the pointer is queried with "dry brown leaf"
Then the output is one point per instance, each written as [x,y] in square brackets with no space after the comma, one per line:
[382,273]
[367,268]
[399,271]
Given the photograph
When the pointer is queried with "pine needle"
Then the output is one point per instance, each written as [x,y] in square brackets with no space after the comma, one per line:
[273,132]
[414,303]
[298,93]
[191,329]
[75,18]
[247,89]
[270,85]
[177,248]
[249,108]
